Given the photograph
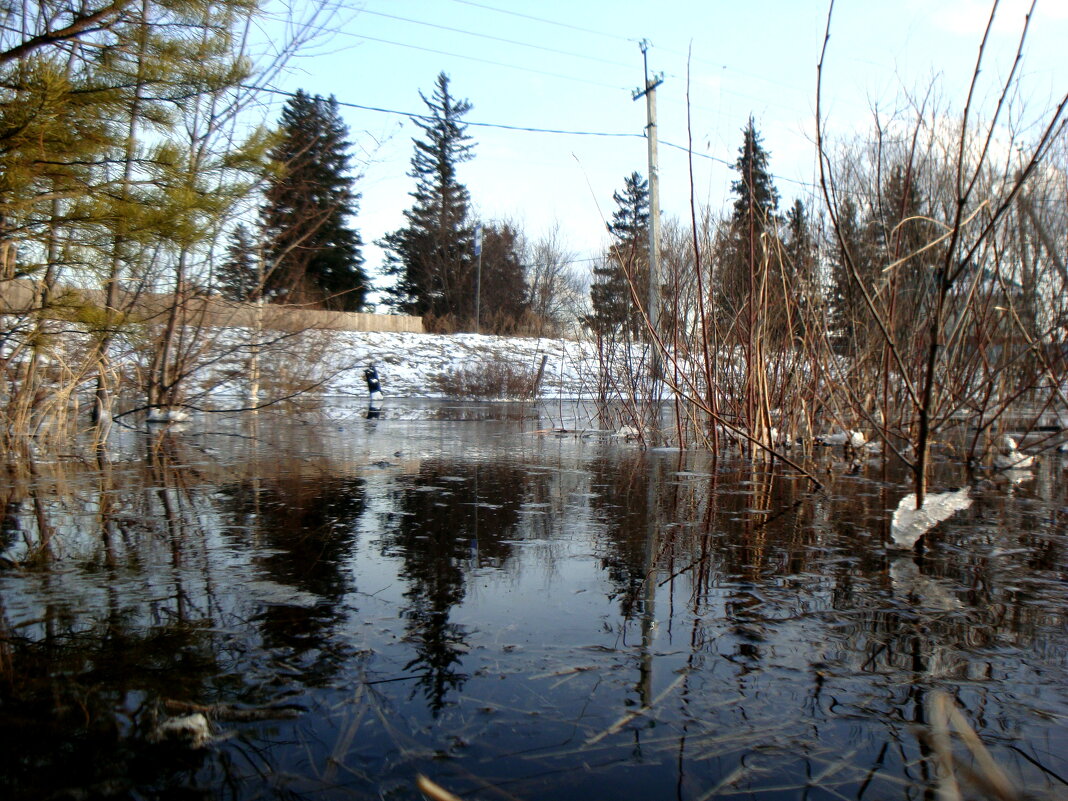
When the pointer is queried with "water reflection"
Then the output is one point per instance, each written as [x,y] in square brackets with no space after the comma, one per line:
[303,528]
[442,527]
[540,615]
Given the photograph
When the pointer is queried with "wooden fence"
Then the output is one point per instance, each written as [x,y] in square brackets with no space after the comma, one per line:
[19,296]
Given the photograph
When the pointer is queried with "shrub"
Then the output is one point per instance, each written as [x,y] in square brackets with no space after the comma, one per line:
[492,380]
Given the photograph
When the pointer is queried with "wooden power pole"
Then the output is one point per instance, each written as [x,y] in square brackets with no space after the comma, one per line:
[653,301]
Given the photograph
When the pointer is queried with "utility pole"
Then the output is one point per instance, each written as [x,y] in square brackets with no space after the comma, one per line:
[653,302]
[478,277]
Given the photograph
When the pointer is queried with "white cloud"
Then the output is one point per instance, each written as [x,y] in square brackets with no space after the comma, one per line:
[969,17]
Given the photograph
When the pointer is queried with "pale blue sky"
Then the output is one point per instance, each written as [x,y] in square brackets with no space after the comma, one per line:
[572,66]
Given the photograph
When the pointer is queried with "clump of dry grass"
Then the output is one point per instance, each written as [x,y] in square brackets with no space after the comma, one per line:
[490,380]
[983,776]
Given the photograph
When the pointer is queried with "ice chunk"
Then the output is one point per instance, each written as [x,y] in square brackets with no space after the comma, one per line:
[910,523]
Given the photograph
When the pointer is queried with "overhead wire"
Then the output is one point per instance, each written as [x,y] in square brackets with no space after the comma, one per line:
[485,61]
[616,37]
[464,56]
[500,125]
[492,38]
[485,6]
[519,68]
[557,23]
[534,129]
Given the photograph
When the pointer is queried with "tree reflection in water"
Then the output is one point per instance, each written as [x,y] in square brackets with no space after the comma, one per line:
[546,617]
[442,528]
[307,527]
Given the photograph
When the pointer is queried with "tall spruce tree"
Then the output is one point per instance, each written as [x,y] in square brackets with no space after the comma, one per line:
[625,265]
[800,246]
[312,253]
[504,288]
[431,259]
[754,214]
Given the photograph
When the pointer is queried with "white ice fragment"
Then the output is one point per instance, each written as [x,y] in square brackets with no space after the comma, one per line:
[275,594]
[1016,476]
[910,523]
[167,414]
[1010,457]
[193,731]
[854,439]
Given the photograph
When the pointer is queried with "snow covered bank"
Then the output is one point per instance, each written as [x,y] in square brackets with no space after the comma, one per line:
[408,363]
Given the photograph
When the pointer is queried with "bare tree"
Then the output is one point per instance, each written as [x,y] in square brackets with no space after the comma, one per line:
[555,286]
[962,266]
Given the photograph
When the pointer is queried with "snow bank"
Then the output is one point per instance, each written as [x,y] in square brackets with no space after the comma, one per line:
[408,363]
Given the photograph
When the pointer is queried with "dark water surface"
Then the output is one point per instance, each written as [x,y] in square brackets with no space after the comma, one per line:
[516,614]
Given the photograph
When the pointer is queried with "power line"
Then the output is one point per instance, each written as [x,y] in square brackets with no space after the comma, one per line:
[519,43]
[717,159]
[482,60]
[531,129]
[546,21]
[493,38]
[459,55]
[572,54]
[688,57]
[500,125]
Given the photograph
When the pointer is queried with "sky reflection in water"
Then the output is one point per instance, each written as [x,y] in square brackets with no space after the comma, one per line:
[513,614]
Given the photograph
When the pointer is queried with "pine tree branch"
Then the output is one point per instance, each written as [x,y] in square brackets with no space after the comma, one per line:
[83,23]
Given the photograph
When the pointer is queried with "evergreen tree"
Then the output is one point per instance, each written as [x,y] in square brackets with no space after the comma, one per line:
[850,319]
[754,214]
[504,289]
[800,262]
[431,259]
[625,264]
[757,198]
[902,231]
[312,253]
[886,243]
[57,135]
[239,276]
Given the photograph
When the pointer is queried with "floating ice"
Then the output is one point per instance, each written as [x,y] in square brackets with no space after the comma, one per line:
[910,523]
[1009,456]
[193,731]
[167,414]
[273,593]
[852,439]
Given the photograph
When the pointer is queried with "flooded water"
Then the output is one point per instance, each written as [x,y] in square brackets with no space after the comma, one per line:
[463,593]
